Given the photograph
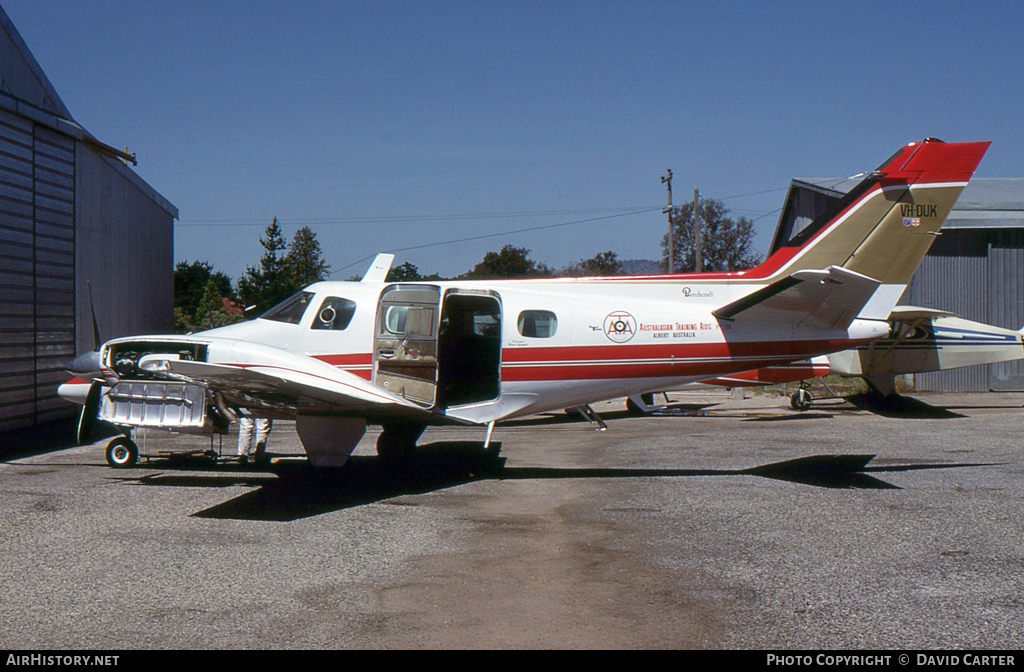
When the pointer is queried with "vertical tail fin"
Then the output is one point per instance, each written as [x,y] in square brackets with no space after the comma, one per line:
[379,268]
[885,225]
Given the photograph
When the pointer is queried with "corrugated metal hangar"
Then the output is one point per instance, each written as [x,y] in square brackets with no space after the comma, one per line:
[75,220]
[975,268]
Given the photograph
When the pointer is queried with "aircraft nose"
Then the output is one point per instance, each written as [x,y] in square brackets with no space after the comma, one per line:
[84,364]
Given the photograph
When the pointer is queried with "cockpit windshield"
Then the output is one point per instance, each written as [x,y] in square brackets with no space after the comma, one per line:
[290,310]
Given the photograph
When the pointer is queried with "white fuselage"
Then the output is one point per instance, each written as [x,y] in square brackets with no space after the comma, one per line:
[597,339]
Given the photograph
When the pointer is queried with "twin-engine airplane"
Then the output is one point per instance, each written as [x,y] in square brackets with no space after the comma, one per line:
[922,340]
[339,355]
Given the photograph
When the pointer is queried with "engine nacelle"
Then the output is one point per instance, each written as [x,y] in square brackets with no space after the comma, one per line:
[180,407]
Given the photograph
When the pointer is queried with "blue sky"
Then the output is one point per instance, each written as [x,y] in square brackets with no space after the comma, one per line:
[391,124]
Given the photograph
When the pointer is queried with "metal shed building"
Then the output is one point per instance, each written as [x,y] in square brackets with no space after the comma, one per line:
[974,269]
[73,217]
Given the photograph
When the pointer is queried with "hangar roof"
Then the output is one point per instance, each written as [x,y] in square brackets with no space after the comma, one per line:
[26,91]
[986,203]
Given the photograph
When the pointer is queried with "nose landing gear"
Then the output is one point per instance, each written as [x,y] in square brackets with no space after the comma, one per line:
[122,453]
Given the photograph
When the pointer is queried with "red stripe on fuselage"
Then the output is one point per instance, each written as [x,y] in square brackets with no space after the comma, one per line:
[357,363]
[657,361]
[631,361]
[347,359]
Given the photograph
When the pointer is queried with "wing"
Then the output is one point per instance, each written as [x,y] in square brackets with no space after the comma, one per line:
[827,299]
[272,378]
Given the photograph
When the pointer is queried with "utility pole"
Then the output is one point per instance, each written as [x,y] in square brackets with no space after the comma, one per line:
[671,239]
[697,258]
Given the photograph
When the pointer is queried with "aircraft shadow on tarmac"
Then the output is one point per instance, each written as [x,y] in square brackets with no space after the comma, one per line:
[899,406]
[292,490]
[573,416]
[893,406]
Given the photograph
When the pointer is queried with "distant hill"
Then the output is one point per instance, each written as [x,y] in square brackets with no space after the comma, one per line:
[640,267]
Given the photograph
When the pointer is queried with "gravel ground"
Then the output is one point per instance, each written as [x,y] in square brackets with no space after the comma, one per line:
[670,531]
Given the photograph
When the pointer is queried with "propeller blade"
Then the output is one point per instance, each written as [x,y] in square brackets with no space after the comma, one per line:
[87,364]
[87,420]
[96,342]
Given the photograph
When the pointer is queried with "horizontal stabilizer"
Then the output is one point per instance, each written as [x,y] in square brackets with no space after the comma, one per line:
[914,313]
[823,299]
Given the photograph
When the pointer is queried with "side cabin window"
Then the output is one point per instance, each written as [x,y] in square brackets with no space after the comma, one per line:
[409,320]
[335,313]
[290,310]
[537,323]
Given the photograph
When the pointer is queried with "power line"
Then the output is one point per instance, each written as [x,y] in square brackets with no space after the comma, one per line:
[753,193]
[431,181]
[397,219]
[496,235]
[618,212]
[777,210]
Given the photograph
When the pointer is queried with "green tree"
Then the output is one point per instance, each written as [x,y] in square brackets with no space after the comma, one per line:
[602,264]
[726,243]
[304,261]
[283,269]
[510,263]
[215,309]
[190,280]
[267,283]
[409,273]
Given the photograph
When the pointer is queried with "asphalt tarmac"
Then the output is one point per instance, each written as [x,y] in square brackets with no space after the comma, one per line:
[723,524]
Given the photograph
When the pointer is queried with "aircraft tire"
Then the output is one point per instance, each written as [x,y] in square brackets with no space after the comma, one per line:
[635,410]
[122,453]
[801,400]
[398,442]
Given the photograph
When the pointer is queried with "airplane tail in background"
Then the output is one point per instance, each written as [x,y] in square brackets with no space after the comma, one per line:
[923,340]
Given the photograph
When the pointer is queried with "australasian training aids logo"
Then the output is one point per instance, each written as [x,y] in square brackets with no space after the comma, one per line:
[619,326]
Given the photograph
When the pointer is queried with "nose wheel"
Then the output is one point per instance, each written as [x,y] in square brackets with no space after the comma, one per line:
[122,453]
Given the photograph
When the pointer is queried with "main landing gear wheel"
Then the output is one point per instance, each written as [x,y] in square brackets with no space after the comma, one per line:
[398,441]
[122,453]
[801,400]
[635,410]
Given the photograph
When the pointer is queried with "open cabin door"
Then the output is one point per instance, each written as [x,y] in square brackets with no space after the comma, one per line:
[469,348]
[405,342]
[438,356]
